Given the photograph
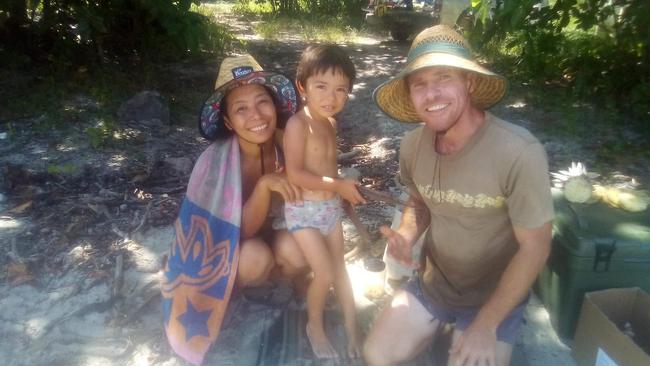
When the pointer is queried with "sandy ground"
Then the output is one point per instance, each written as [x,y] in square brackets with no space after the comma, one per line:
[73,318]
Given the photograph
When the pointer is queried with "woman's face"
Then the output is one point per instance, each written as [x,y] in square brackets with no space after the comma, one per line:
[250,113]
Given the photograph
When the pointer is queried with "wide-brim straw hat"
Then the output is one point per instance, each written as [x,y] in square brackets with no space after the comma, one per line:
[237,71]
[439,45]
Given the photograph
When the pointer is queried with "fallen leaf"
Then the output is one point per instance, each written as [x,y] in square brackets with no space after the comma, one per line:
[22,279]
[18,273]
[16,269]
[139,178]
[20,208]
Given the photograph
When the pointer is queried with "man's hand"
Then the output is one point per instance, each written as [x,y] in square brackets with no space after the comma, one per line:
[347,189]
[278,182]
[400,248]
[476,346]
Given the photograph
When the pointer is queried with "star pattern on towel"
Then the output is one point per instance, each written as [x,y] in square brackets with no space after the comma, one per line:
[194,321]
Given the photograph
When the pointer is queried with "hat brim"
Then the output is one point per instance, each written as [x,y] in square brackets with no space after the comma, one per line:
[393,97]
[210,117]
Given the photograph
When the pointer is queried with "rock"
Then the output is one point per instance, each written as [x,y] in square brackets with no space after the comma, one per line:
[77,255]
[179,166]
[146,106]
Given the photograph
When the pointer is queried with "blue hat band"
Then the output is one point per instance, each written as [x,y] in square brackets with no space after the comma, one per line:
[442,47]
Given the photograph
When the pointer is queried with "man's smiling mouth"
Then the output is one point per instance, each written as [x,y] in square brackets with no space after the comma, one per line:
[436,107]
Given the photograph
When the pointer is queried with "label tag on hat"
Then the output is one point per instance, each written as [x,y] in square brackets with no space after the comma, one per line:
[241,71]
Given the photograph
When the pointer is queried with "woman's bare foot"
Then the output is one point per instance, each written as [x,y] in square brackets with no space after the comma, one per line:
[320,344]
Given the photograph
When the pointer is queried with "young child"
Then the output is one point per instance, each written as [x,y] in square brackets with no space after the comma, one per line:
[324,79]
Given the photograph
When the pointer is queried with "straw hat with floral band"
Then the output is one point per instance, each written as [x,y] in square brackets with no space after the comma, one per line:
[439,45]
[238,71]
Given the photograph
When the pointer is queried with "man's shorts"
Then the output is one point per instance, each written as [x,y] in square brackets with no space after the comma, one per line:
[506,332]
[321,215]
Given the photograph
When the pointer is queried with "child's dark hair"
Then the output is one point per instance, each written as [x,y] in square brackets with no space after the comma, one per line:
[223,132]
[317,59]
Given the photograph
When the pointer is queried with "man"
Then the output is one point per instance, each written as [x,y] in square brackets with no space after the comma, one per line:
[480,194]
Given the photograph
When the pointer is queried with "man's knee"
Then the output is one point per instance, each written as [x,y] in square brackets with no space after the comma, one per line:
[373,354]
[402,331]
[377,354]
[255,262]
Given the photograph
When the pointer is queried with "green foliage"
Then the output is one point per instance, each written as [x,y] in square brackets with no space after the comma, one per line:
[341,9]
[640,103]
[11,129]
[253,7]
[325,20]
[102,135]
[349,8]
[309,28]
[67,168]
[598,48]
[76,31]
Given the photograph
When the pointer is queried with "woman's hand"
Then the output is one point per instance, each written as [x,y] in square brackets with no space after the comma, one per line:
[278,182]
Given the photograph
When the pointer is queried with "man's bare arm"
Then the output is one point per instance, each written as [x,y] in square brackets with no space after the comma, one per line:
[515,283]
[415,218]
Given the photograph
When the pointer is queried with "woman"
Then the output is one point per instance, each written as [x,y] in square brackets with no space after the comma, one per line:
[228,229]
[251,109]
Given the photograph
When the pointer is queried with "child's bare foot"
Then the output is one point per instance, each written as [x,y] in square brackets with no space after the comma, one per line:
[352,332]
[320,344]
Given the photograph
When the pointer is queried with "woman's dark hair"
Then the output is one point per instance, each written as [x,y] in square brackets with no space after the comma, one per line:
[223,132]
[317,59]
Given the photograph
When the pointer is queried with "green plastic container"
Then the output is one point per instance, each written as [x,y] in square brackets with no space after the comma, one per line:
[595,247]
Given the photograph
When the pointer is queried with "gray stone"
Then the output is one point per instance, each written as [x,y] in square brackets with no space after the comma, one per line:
[179,166]
[145,106]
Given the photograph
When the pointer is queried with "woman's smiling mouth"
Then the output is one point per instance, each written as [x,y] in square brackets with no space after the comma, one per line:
[259,128]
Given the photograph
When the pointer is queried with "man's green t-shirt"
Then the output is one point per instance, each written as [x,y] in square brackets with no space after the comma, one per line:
[498,180]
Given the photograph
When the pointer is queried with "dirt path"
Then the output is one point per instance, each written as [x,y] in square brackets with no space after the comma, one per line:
[81,230]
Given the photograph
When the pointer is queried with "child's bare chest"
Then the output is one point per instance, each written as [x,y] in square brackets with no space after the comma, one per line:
[321,142]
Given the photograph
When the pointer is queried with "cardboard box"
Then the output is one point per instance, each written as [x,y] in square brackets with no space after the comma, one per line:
[614,329]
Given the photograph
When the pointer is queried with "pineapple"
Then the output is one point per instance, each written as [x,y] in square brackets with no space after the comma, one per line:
[576,183]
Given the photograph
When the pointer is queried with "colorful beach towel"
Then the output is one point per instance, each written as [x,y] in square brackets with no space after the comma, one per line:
[202,265]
